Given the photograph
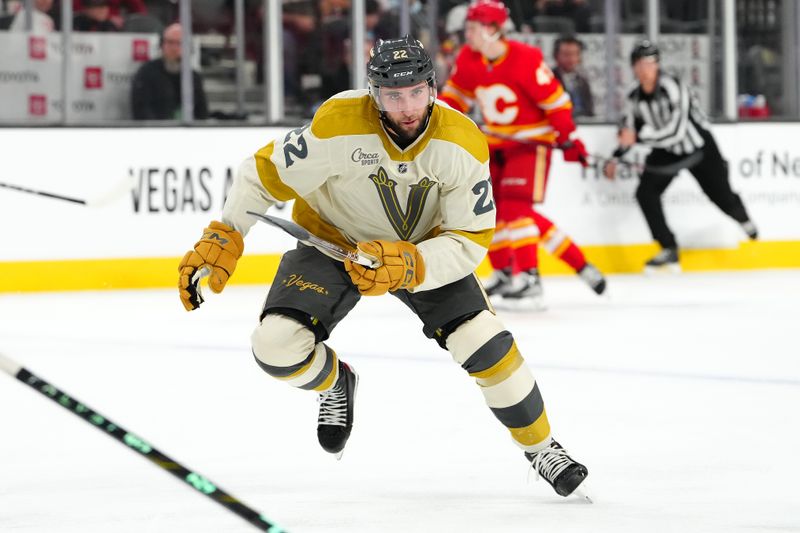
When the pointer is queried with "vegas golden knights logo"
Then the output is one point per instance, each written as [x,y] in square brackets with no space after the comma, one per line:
[403,221]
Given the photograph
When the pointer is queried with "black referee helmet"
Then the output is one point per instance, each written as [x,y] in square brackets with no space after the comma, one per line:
[644,49]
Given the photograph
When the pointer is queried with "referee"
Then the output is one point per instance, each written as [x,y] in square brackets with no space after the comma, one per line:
[662,113]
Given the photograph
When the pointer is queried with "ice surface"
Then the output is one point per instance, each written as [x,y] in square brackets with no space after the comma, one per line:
[680,394]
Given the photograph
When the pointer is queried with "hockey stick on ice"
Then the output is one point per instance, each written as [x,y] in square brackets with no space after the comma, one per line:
[114,193]
[137,444]
[304,236]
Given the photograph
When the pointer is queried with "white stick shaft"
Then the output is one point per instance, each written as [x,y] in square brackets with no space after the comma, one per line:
[9,365]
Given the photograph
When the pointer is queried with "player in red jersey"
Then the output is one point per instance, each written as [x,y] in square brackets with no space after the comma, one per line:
[526,112]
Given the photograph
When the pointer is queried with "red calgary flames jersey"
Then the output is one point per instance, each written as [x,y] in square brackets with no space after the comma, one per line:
[518,94]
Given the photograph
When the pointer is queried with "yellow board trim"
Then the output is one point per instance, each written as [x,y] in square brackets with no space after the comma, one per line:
[128,273]
[533,434]
[159,272]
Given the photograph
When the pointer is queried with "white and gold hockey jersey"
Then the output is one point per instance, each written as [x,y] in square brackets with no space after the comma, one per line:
[350,182]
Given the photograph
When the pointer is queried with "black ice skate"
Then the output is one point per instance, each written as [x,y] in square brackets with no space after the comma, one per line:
[750,229]
[665,260]
[593,277]
[526,293]
[559,469]
[499,282]
[335,420]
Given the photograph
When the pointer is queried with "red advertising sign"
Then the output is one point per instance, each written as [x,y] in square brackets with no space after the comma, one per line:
[93,78]
[37,105]
[37,47]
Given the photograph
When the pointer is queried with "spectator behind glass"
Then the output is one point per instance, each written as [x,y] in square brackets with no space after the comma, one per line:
[567,54]
[115,7]
[41,21]
[156,89]
[94,16]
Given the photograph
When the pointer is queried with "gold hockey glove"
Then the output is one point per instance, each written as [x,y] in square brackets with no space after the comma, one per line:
[217,251]
[402,267]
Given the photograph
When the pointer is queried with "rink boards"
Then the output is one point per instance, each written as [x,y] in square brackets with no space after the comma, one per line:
[155,189]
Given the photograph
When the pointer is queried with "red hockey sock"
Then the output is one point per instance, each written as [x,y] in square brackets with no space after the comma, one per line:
[500,251]
[559,244]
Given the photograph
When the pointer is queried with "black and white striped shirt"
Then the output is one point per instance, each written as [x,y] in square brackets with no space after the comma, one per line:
[670,118]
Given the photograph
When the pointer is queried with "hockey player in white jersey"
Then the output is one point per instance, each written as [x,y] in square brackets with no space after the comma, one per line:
[405,179]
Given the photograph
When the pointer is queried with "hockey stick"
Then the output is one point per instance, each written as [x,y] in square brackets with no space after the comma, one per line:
[139,445]
[534,142]
[304,236]
[116,192]
[662,170]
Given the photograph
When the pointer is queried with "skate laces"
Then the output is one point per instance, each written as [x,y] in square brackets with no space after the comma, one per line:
[333,407]
[550,462]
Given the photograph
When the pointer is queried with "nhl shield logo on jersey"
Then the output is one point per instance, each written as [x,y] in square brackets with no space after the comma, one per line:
[402,168]
[403,222]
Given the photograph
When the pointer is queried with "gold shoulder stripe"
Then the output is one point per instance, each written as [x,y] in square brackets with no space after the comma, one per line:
[304,214]
[344,116]
[458,129]
[481,238]
[268,174]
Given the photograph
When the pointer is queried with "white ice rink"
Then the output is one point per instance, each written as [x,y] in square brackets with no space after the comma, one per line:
[681,394]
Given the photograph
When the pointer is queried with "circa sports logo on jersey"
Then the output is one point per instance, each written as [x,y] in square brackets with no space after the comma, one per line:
[403,222]
[365,158]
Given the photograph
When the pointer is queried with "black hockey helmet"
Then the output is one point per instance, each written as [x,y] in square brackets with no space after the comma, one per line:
[645,48]
[399,63]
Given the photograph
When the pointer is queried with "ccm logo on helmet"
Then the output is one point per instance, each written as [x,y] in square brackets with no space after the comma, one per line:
[402,74]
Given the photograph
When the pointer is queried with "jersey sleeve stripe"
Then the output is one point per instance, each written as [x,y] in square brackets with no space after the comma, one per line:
[306,216]
[466,92]
[454,97]
[268,174]
[481,238]
[562,102]
[556,95]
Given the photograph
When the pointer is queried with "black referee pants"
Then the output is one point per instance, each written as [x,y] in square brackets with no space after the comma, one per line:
[711,173]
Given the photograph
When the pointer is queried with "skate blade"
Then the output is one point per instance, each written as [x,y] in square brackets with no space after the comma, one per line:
[582,494]
[666,269]
[339,455]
